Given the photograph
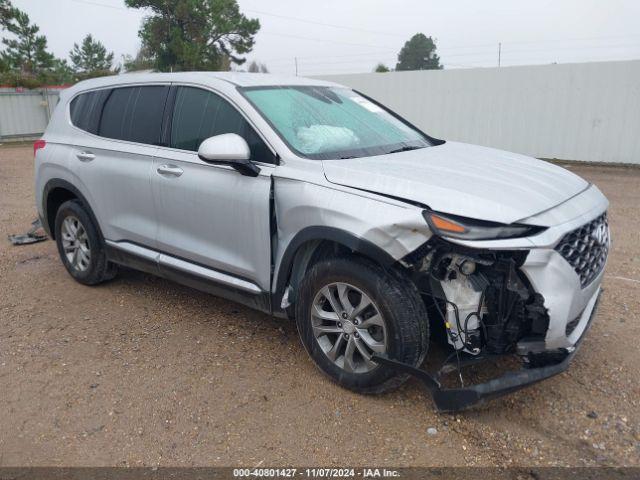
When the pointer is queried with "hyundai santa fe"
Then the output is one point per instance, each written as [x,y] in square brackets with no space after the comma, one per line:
[308,200]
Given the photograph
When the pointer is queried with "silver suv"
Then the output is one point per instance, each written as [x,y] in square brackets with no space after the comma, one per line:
[308,200]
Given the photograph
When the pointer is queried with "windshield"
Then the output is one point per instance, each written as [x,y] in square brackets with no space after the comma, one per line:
[333,123]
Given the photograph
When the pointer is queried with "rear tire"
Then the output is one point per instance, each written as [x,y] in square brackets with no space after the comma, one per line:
[80,245]
[339,337]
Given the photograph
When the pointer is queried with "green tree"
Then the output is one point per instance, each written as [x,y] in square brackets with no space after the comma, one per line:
[141,61]
[25,60]
[4,64]
[5,11]
[195,34]
[419,53]
[381,68]
[255,67]
[61,72]
[26,51]
[91,57]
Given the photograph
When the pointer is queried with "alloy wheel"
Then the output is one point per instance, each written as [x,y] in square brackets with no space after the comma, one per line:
[348,327]
[75,243]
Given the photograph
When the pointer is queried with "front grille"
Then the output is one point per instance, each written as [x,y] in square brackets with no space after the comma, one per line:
[586,248]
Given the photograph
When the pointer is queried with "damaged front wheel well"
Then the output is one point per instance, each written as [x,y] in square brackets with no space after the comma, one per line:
[314,244]
[307,256]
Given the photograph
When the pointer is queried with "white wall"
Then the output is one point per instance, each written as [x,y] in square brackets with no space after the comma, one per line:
[586,111]
[25,114]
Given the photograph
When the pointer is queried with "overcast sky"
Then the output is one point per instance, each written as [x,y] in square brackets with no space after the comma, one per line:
[344,36]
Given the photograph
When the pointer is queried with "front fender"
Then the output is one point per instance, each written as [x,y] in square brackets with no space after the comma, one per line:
[383,230]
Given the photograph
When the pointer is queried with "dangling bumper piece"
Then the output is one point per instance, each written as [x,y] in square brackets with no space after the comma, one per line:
[537,367]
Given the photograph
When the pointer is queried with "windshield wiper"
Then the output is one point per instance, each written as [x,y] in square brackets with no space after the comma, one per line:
[406,148]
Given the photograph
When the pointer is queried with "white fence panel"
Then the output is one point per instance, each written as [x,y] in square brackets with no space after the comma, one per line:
[586,111]
[25,114]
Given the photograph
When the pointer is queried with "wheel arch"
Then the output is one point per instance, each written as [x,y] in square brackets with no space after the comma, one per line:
[56,192]
[316,242]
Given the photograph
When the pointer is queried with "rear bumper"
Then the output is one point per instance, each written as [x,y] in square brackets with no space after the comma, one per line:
[537,367]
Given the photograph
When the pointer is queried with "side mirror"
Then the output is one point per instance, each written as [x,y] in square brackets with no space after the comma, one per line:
[228,149]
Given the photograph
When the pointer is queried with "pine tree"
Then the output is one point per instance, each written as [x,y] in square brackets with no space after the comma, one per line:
[90,57]
[26,51]
[195,34]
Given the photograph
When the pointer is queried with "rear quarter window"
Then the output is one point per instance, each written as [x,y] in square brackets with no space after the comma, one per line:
[85,110]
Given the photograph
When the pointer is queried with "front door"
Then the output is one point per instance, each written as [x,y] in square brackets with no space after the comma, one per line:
[211,215]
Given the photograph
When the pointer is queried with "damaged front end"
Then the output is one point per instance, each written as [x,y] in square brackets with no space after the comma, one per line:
[486,303]
[488,309]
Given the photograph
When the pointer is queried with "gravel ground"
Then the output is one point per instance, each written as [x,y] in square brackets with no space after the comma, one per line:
[141,371]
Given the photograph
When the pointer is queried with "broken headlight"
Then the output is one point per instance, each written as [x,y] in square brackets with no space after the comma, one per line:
[453,226]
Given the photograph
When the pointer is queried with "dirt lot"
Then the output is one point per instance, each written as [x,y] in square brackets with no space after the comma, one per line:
[142,371]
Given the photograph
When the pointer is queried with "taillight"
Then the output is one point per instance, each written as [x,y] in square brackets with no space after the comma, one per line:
[37,145]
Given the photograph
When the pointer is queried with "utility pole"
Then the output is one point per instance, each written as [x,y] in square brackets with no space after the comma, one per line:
[295,59]
[499,52]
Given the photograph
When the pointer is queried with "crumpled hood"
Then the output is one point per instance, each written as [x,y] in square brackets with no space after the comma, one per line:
[461,179]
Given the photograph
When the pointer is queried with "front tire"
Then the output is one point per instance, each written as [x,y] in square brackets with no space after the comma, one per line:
[349,308]
[80,245]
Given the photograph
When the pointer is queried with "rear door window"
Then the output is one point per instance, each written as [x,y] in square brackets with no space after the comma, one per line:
[199,114]
[134,114]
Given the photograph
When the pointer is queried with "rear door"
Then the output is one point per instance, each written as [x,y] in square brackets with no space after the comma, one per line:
[114,165]
[211,215]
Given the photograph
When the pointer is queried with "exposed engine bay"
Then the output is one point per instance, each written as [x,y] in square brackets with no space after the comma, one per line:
[483,300]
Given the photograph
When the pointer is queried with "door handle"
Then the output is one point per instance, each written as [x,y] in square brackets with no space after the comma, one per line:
[85,156]
[170,170]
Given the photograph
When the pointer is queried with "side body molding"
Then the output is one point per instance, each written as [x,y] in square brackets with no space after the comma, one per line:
[187,273]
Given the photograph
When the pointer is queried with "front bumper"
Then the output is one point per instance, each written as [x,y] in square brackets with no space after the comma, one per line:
[538,367]
[550,274]
[566,301]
